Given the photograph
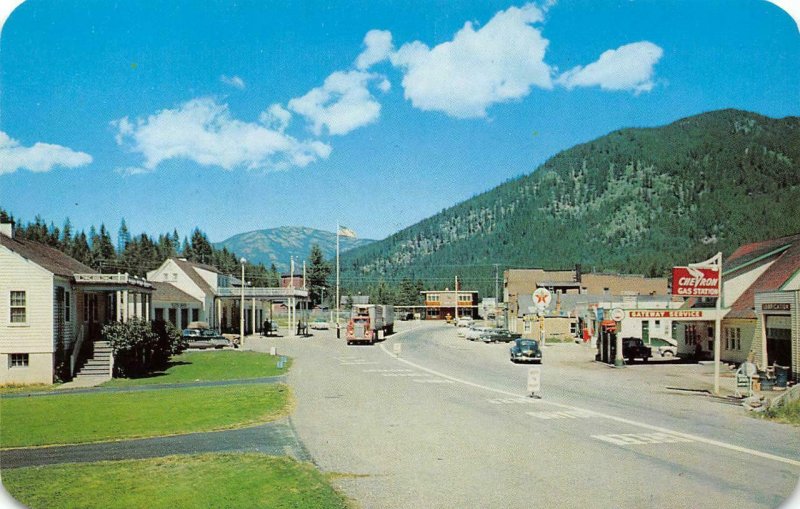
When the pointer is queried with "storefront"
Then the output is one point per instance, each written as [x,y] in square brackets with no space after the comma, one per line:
[779,326]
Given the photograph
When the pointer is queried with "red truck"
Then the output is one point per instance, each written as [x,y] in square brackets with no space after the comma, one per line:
[367,321]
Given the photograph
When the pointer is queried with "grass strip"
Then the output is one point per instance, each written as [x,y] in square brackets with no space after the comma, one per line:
[232,481]
[209,366]
[788,413]
[98,417]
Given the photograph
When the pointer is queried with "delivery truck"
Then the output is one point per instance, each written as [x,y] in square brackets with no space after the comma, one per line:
[367,321]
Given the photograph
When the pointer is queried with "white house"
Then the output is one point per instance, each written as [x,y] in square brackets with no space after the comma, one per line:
[51,303]
[201,293]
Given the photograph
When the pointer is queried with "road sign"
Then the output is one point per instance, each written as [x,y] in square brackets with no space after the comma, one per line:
[397,348]
[541,298]
[534,380]
[617,314]
[696,281]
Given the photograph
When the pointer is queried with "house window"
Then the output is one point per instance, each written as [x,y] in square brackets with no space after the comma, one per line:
[658,324]
[160,314]
[195,315]
[67,307]
[18,307]
[527,327]
[18,360]
[464,297]
[432,297]
[606,291]
[737,334]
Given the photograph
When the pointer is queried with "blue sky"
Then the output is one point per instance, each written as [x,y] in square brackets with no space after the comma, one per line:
[241,115]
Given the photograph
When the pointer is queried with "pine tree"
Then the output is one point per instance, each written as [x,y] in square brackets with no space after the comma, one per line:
[201,248]
[66,242]
[103,254]
[317,274]
[123,237]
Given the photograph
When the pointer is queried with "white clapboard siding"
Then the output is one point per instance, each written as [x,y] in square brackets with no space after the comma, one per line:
[36,335]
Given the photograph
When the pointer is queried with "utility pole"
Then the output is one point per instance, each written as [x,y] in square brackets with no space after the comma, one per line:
[456,317]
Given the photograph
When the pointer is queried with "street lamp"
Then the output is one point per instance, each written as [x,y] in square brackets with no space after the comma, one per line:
[241,308]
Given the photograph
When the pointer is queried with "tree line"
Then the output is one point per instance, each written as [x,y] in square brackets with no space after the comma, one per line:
[139,254]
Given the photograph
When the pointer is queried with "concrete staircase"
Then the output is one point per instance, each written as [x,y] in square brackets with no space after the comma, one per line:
[99,366]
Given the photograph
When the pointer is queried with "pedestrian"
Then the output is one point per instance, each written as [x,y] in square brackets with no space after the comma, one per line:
[338,330]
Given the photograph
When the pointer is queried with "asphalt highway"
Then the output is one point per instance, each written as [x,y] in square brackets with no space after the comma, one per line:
[447,423]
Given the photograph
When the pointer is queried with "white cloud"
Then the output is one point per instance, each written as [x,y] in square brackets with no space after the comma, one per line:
[203,131]
[41,157]
[276,117]
[343,103]
[378,48]
[499,62]
[629,67]
[234,81]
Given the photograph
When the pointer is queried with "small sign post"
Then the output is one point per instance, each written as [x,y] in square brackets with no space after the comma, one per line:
[397,348]
[535,382]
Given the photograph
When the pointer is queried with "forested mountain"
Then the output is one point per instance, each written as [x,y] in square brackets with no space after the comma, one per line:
[277,245]
[636,200]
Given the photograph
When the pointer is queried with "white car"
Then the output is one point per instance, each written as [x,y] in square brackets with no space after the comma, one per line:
[464,321]
[474,333]
[319,324]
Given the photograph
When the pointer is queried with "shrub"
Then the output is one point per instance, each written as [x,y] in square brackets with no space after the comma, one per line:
[135,346]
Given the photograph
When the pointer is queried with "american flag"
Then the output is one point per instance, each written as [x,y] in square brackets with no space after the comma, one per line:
[346,232]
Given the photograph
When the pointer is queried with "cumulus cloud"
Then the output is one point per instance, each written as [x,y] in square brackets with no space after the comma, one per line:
[203,131]
[41,157]
[378,47]
[497,63]
[276,117]
[629,67]
[343,103]
[234,81]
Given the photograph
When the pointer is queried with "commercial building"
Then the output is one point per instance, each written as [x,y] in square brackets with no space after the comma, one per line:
[441,304]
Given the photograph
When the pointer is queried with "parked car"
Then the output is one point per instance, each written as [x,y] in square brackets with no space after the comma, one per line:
[474,333]
[526,350]
[407,316]
[464,321]
[497,335]
[634,348]
[320,324]
[670,350]
[205,338]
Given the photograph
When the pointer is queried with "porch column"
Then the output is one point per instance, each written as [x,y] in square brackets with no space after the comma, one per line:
[139,305]
[125,306]
[147,299]
[118,298]
[253,316]
[219,314]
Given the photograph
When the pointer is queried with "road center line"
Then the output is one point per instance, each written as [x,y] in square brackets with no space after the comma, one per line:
[688,436]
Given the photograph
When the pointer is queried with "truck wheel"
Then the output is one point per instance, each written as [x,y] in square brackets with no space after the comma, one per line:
[645,359]
[349,342]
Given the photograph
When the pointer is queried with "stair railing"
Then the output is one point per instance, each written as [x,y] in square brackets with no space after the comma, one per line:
[76,351]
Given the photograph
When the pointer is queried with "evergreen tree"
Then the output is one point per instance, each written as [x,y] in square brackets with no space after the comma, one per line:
[201,248]
[80,249]
[103,255]
[123,236]
[65,244]
[317,274]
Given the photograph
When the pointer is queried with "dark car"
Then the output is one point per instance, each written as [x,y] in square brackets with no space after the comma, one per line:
[498,335]
[634,348]
[526,350]
[204,338]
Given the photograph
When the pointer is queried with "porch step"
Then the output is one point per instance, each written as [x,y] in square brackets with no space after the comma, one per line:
[99,365]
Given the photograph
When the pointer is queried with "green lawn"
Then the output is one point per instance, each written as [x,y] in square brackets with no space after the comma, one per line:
[232,481]
[79,418]
[208,366]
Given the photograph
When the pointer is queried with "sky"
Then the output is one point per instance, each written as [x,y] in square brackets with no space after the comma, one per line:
[235,116]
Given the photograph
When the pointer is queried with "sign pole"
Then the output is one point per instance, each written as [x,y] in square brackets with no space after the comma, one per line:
[717,327]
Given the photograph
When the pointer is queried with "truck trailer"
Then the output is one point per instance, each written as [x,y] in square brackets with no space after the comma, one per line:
[367,321]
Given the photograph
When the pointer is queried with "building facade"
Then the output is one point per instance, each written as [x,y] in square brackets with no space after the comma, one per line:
[448,304]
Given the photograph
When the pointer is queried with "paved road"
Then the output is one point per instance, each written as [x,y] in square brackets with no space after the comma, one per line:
[447,424]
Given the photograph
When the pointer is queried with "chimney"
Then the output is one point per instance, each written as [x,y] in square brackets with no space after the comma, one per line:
[7,229]
[578,273]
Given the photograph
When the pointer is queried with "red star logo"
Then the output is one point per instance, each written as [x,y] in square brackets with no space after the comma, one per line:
[541,298]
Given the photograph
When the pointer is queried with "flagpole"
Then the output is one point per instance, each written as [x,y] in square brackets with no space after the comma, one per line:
[337,275]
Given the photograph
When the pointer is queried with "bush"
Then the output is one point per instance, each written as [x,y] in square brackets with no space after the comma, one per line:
[136,346]
[170,342]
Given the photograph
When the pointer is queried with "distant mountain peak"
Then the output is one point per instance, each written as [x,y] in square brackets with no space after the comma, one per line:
[278,245]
